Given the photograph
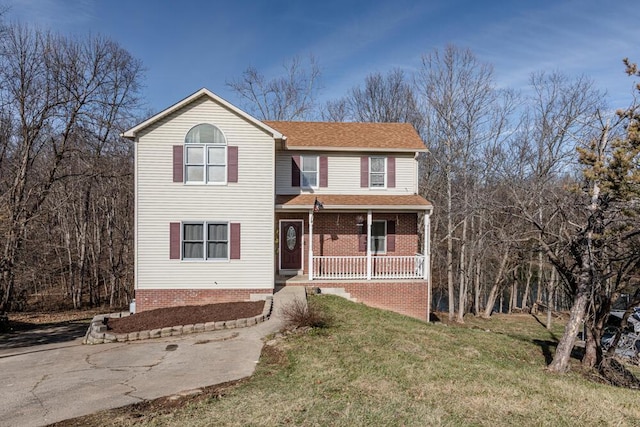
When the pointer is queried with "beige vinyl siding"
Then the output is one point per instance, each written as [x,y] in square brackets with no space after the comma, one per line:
[160,201]
[344,174]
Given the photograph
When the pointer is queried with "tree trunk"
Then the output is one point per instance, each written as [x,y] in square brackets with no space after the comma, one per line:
[478,270]
[513,299]
[476,287]
[593,342]
[540,278]
[450,248]
[493,294]
[525,296]
[591,357]
[550,291]
[462,289]
[7,264]
[560,363]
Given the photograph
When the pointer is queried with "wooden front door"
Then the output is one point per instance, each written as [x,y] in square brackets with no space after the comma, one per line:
[291,245]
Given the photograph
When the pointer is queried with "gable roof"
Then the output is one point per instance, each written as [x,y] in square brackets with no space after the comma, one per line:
[131,133]
[349,136]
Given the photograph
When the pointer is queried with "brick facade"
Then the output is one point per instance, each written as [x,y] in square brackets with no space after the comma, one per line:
[149,299]
[338,234]
[408,297]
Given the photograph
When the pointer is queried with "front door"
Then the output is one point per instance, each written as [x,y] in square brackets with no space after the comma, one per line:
[291,245]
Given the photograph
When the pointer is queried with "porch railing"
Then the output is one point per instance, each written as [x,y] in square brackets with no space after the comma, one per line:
[339,267]
[355,267]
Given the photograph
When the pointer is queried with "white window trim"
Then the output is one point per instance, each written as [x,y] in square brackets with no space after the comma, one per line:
[205,165]
[310,187]
[205,158]
[186,164]
[205,231]
[384,237]
[384,173]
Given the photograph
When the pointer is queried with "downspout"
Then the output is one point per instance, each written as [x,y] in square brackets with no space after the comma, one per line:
[369,224]
[427,258]
[310,244]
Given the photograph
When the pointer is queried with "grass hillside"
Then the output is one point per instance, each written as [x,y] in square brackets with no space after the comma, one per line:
[372,367]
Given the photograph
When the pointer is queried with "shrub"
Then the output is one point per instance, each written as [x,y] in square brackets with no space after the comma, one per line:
[299,314]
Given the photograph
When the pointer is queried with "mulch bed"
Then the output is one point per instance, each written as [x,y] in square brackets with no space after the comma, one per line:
[185,315]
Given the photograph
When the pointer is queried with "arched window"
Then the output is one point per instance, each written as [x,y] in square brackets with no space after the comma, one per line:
[205,157]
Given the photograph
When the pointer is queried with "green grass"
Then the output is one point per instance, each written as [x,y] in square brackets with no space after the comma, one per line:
[372,367]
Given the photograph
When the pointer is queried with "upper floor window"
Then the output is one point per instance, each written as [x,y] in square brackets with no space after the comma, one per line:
[205,155]
[377,172]
[309,171]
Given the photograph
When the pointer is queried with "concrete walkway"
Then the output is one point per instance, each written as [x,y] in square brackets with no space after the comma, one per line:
[44,384]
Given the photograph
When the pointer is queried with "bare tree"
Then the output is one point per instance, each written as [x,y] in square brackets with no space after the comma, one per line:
[594,253]
[59,96]
[464,114]
[388,98]
[336,111]
[291,96]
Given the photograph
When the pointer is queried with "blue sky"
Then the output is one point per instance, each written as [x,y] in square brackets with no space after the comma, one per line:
[188,44]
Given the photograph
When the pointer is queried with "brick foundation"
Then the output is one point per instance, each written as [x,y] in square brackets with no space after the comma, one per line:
[149,299]
[405,297]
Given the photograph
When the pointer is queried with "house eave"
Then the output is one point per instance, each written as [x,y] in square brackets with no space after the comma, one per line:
[131,133]
[306,208]
[356,149]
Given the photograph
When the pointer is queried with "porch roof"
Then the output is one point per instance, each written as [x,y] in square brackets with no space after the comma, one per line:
[410,202]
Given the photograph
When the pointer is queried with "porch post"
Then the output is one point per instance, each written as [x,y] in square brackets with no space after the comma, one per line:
[427,259]
[310,244]
[369,223]
[426,249]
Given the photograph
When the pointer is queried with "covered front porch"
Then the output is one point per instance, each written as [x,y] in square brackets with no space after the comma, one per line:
[337,237]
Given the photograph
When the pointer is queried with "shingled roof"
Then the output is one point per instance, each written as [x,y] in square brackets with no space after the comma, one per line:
[354,201]
[349,136]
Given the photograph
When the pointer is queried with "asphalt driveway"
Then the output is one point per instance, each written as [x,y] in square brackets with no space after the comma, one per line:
[46,383]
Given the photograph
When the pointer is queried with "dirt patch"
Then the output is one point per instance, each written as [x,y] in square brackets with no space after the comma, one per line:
[185,315]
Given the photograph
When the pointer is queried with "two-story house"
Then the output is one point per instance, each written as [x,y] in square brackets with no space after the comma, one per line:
[229,207]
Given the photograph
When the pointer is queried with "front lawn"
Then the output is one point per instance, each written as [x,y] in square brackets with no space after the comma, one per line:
[372,367]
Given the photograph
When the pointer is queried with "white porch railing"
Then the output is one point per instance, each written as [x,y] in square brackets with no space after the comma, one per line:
[355,267]
[339,267]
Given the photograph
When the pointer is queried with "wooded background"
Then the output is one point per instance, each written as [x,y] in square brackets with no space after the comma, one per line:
[535,192]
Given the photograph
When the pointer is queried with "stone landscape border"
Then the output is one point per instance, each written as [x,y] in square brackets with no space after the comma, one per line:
[98,333]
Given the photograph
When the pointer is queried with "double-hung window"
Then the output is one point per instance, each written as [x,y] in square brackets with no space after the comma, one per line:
[309,171]
[379,237]
[377,172]
[205,241]
[205,155]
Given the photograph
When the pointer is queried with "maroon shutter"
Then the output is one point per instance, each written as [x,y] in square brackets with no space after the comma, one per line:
[324,169]
[391,172]
[234,252]
[391,236]
[232,166]
[178,164]
[364,172]
[362,238]
[174,240]
[295,171]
